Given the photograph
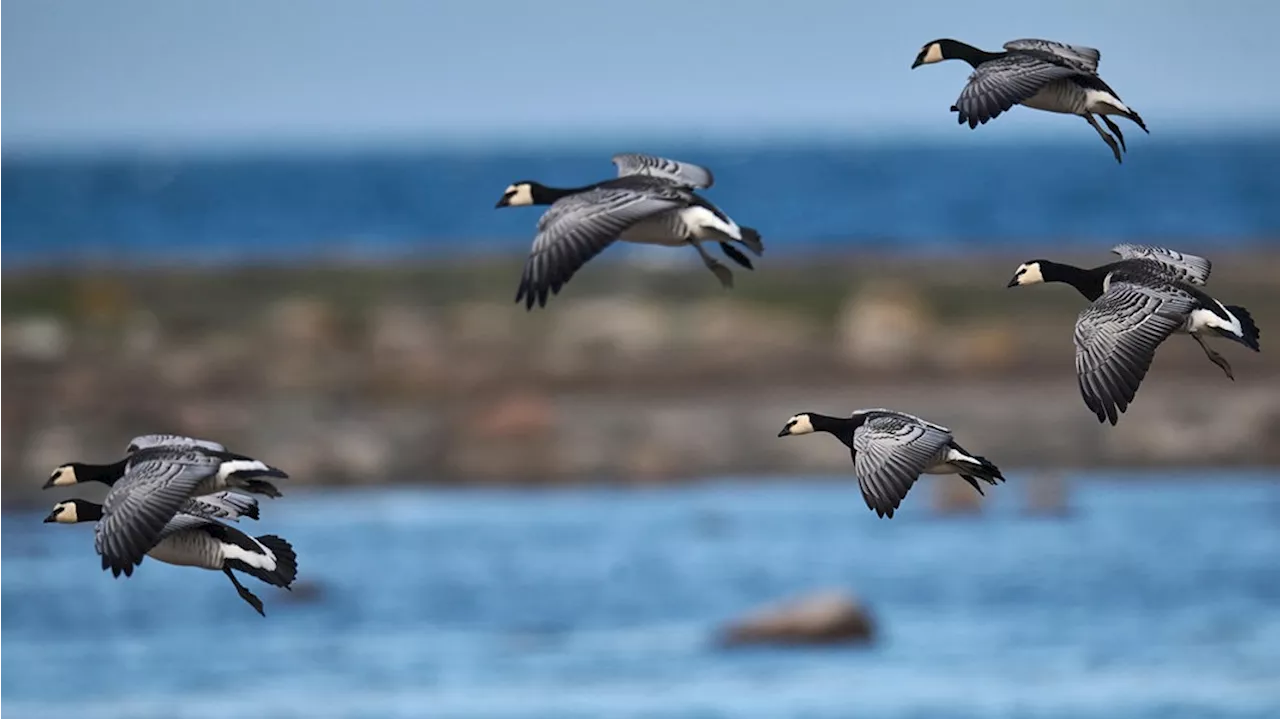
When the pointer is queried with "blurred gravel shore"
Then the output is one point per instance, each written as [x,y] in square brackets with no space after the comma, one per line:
[635,373]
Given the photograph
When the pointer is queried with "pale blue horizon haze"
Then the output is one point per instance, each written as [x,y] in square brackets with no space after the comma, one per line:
[86,76]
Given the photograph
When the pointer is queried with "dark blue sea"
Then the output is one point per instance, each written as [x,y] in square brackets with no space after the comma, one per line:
[162,206]
[1151,598]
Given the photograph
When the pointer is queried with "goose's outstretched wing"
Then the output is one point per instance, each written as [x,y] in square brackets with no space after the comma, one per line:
[890,450]
[1083,58]
[1116,338]
[685,173]
[148,441]
[576,228]
[155,486]
[1183,267]
[222,505]
[997,85]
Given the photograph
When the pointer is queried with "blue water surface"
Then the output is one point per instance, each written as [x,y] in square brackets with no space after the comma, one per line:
[801,196]
[1147,600]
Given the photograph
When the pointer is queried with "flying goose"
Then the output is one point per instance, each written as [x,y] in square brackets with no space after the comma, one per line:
[1138,301]
[235,471]
[892,449]
[194,538]
[652,201]
[1040,74]
[150,486]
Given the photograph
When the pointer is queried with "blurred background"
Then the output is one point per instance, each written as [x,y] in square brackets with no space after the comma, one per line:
[272,224]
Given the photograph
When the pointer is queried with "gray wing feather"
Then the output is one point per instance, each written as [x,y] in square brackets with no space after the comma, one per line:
[999,84]
[1116,338]
[686,173]
[1184,268]
[1084,58]
[891,450]
[576,228]
[149,441]
[222,505]
[156,484]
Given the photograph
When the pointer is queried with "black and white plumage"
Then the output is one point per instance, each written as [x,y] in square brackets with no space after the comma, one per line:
[652,201]
[1040,74]
[195,538]
[892,449]
[151,485]
[234,471]
[1137,303]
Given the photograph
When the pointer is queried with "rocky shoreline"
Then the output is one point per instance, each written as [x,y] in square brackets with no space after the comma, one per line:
[355,377]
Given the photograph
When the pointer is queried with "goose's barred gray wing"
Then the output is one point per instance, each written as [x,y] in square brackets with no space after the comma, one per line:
[149,441]
[890,450]
[1116,338]
[997,85]
[156,485]
[222,505]
[685,173]
[1183,267]
[1083,58]
[576,228]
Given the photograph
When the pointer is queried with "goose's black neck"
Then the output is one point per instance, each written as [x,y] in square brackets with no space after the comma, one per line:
[87,511]
[841,427]
[543,195]
[105,473]
[1086,282]
[956,50]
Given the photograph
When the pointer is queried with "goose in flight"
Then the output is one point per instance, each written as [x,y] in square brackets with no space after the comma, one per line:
[1138,301]
[152,485]
[195,538]
[1040,74]
[234,471]
[892,449]
[652,201]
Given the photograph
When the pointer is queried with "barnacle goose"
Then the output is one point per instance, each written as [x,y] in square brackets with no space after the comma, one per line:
[150,486]
[235,471]
[652,201]
[194,538]
[892,449]
[1139,301]
[1040,74]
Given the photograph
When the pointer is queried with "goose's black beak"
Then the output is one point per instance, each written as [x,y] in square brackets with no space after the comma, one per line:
[917,63]
[506,200]
[1013,282]
[49,483]
[53,517]
[785,431]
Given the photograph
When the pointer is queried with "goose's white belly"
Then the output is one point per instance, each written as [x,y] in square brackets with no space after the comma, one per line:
[187,549]
[678,227]
[1058,96]
[664,229]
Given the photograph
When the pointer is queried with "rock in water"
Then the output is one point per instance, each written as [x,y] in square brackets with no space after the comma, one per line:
[824,618]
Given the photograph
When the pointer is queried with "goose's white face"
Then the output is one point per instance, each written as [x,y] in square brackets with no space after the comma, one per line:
[929,54]
[63,513]
[63,476]
[799,424]
[1028,274]
[517,195]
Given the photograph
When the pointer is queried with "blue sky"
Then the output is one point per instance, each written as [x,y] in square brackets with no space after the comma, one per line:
[83,74]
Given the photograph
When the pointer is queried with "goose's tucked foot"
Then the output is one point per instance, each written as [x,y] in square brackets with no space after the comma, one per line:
[736,256]
[245,594]
[1215,358]
[1115,130]
[721,272]
[1111,141]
